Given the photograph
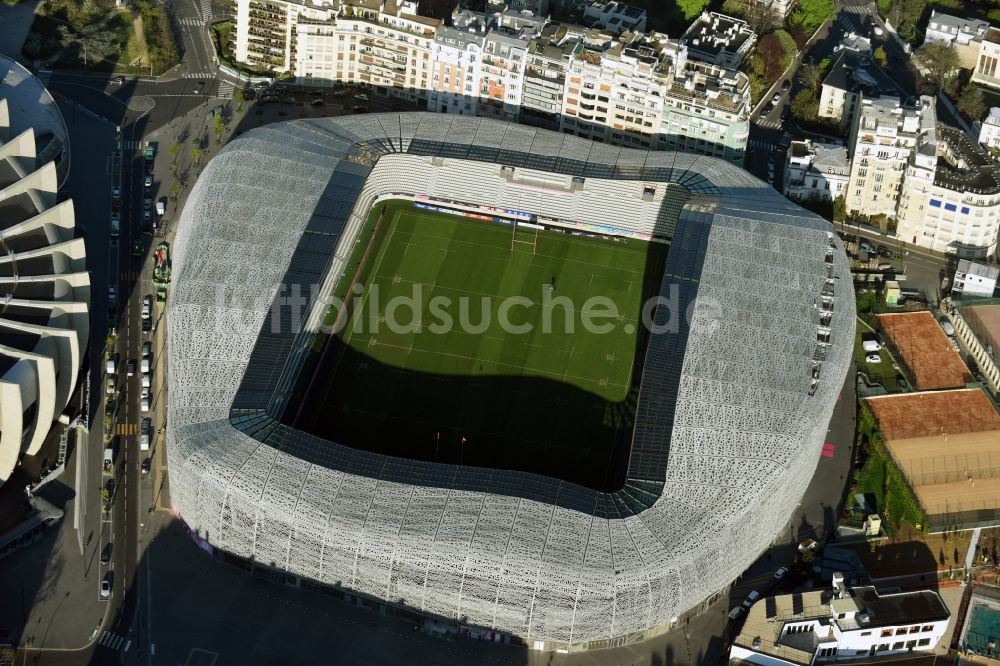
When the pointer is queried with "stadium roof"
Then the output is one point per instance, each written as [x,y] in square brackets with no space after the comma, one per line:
[732,412]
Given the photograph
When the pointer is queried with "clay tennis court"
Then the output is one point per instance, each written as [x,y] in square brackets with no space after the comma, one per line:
[925,350]
[947,444]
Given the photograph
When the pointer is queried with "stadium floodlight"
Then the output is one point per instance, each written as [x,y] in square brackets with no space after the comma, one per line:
[729,421]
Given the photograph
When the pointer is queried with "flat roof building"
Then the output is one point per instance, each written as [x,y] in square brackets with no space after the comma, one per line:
[719,39]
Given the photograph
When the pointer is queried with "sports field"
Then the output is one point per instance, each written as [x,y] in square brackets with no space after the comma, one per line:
[469,343]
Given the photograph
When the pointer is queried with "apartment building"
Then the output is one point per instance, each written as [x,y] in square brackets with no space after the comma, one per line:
[989,132]
[972,279]
[548,59]
[637,89]
[986,72]
[853,77]
[707,111]
[611,15]
[965,35]
[950,199]
[719,40]
[816,170]
[838,625]
[883,136]
[455,64]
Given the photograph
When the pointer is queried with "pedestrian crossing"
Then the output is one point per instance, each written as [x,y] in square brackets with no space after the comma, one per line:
[769,124]
[126,429]
[111,641]
[200,75]
[225,90]
[132,144]
[193,22]
[760,143]
[205,7]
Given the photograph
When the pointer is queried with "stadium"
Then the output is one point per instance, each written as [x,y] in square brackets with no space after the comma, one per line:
[565,498]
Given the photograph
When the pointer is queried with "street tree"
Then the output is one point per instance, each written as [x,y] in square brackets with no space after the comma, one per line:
[218,128]
[971,102]
[196,154]
[174,149]
[937,62]
[839,209]
[805,107]
[812,76]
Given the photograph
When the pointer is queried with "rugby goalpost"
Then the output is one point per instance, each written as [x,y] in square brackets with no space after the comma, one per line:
[530,228]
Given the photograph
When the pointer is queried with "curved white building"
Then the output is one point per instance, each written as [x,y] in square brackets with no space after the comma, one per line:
[730,420]
[44,292]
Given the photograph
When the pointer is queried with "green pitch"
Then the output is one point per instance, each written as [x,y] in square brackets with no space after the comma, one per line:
[437,362]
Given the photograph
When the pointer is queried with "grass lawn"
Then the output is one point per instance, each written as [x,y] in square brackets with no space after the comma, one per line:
[544,396]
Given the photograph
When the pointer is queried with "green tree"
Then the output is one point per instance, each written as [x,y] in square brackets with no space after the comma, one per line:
[218,128]
[691,8]
[812,76]
[811,14]
[805,107]
[839,209]
[239,97]
[789,48]
[880,56]
[971,103]
[196,154]
[174,149]
[174,190]
[937,61]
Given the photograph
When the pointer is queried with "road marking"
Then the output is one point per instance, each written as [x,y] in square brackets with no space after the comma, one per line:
[225,90]
[126,429]
[200,657]
[111,641]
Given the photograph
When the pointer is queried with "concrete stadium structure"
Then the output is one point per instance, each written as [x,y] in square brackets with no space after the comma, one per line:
[732,413]
[44,289]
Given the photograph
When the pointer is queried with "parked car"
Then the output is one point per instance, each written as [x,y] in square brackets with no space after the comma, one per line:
[144,468]
[873,359]
[147,306]
[106,587]
[776,99]
[147,325]
[148,182]
[361,97]
[735,612]
[786,84]
[780,573]
[144,405]
[106,554]
[117,81]
[751,599]
[147,348]
[116,191]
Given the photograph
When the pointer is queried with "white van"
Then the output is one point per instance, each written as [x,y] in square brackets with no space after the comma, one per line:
[144,365]
[112,364]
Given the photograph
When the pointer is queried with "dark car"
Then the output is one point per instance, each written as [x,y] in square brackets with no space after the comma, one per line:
[144,468]
[106,554]
[786,84]
[147,325]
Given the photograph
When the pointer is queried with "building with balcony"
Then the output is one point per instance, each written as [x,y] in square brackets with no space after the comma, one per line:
[951,196]
[634,89]
[837,625]
[549,57]
[816,171]
[965,35]
[883,137]
[719,40]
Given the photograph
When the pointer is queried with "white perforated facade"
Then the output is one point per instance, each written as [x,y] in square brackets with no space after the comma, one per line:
[731,416]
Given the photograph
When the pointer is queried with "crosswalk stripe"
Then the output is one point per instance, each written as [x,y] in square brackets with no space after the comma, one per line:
[199,75]
[225,90]
[193,22]
[112,641]
[206,10]
[126,429]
